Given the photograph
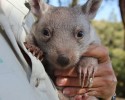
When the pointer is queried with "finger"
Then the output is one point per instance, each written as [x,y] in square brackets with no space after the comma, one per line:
[104,69]
[84,77]
[99,52]
[93,93]
[62,81]
[97,82]
[89,76]
[69,91]
[81,97]
[80,75]
[78,97]
[101,76]
[107,81]
[99,91]
[72,72]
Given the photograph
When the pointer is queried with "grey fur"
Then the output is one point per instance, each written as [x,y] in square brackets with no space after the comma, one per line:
[63,24]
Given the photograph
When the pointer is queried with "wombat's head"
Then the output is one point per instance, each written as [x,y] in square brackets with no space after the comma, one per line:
[63,33]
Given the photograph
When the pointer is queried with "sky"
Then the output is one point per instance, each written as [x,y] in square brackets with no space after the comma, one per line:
[108,11]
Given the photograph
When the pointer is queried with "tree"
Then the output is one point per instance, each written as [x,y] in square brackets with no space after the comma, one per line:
[74,2]
[122,10]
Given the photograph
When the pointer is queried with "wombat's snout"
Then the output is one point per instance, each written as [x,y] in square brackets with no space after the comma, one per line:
[63,60]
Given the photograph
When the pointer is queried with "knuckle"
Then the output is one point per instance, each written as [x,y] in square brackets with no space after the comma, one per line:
[109,72]
[111,81]
[105,51]
[115,80]
[112,77]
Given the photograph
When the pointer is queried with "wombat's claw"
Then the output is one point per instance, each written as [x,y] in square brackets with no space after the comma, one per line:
[82,76]
[34,53]
[38,56]
[88,77]
[28,49]
[34,50]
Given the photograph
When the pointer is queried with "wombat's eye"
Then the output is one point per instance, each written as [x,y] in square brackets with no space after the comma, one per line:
[80,34]
[46,32]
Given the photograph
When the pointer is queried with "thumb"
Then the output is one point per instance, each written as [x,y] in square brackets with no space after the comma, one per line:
[97,51]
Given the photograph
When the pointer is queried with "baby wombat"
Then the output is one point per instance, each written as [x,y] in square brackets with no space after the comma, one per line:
[64,34]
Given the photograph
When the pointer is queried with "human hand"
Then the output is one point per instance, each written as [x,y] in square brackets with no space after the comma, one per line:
[104,82]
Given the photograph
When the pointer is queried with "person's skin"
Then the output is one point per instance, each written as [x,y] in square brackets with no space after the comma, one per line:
[104,82]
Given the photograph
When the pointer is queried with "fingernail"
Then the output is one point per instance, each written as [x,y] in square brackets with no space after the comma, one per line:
[61,81]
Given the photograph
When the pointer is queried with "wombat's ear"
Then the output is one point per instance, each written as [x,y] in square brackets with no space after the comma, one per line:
[90,8]
[38,7]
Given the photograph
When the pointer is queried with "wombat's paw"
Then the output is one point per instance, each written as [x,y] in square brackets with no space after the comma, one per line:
[86,68]
[34,50]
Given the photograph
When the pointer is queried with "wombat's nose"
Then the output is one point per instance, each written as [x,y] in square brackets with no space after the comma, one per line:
[63,60]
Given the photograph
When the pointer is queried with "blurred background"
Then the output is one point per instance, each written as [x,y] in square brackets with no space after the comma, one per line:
[110,25]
